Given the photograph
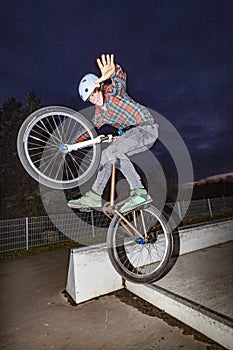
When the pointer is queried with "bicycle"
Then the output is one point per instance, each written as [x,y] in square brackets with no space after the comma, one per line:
[140,242]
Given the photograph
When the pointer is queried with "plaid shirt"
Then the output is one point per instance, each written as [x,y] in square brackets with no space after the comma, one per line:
[119,109]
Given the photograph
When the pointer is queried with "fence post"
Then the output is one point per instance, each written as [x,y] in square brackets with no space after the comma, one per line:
[92,223]
[26,233]
[179,210]
[210,207]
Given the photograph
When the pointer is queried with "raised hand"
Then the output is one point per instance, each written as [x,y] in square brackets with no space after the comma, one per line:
[106,66]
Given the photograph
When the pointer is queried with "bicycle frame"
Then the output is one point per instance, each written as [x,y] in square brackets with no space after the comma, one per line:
[107,138]
[115,211]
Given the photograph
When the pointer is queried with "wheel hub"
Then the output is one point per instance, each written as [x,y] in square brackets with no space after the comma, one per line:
[63,148]
[152,238]
[140,240]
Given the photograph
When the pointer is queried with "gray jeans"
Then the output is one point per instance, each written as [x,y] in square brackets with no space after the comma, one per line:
[133,141]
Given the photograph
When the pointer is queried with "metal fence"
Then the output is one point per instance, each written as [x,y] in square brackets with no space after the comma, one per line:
[205,209]
[30,232]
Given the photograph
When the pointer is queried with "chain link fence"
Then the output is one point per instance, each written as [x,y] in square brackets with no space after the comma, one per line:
[204,209]
[31,232]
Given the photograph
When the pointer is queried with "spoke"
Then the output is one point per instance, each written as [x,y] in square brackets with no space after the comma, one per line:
[53,133]
[75,164]
[37,146]
[40,134]
[63,131]
[56,140]
[43,160]
[83,164]
[46,142]
[35,150]
[143,223]
[36,155]
[59,169]
[135,259]
[85,153]
[57,128]
[74,130]
[68,167]
[36,138]
[49,161]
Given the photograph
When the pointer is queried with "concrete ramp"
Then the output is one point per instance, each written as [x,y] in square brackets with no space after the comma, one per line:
[91,275]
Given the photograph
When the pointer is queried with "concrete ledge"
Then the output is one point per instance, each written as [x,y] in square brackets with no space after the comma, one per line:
[215,326]
[91,274]
[206,235]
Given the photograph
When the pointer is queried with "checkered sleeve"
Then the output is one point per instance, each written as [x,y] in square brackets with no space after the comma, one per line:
[96,121]
[119,80]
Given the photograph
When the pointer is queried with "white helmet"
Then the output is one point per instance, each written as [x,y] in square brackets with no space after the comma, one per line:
[87,85]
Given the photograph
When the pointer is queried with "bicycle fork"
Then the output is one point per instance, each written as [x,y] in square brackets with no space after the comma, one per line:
[142,239]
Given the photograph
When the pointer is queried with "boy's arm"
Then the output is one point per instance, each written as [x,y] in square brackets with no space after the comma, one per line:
[119,80]
[85,135]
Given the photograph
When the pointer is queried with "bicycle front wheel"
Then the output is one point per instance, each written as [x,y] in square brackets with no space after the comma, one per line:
[140,258]
[40,138]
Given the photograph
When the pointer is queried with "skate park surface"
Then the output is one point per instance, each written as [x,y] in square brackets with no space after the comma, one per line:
[36,314]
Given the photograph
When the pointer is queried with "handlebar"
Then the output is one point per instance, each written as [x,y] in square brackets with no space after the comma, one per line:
[64,148]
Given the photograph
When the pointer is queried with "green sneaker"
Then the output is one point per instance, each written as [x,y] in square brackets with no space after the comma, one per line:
[137,198]
[90,200]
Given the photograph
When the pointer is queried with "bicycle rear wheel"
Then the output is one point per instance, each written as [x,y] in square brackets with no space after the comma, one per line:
[39,139]
[144,258]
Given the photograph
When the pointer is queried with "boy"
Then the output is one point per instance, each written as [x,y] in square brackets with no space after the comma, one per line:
[135,124]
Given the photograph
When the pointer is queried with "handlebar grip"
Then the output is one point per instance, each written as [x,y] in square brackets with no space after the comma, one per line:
[105,138]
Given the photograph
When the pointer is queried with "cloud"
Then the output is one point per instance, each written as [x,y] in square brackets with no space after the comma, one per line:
[177,56]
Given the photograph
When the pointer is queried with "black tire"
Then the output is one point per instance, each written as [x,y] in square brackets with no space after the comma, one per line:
[140,263]
[39,139]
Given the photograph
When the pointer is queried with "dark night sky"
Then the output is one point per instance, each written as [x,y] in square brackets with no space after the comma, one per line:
[177,54]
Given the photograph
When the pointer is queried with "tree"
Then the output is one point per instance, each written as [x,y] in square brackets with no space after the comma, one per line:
[32,104]
[19,192]
[10,111]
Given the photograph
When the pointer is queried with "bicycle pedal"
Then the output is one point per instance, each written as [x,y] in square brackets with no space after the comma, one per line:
[87,210]
[143,206]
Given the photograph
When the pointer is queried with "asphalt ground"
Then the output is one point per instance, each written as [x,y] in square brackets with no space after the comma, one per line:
[36,314]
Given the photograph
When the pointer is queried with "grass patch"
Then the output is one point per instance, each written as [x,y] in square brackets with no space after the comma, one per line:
[206,220]
[21,253]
